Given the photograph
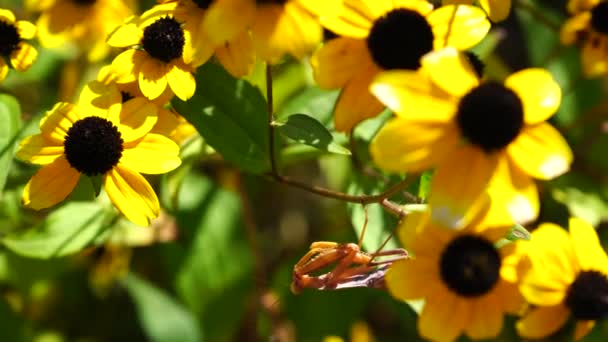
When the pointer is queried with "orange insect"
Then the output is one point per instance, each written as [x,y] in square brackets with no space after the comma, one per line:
[353,267]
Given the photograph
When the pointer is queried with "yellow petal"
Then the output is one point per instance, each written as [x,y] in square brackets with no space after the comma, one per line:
[50,185]
[225,19]
[542,321]
[413,96]
[152,78]
[126,65]
[97,98]
[582,329]
[538,91]
[137,118]
[237,56]
[154,154]
[451,71]
[355,20]
[404,145]
[498,10]
[587,246]
[338,61]
[132,195]
[411,279]
[595,56]
[23,57]
[541,151]
[469,27]
[7,16]
[38,150]
[486,318]
[438,321]
[458,183]
[355,102]
[181,81]
[58,121]
[125,36]
[3,69]
[26,29]
[573,26]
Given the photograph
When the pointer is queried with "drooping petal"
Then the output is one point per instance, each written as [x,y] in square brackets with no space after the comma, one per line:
[50,185]
[355,19]
[469,26]
[237,56]
[126,65]
[136,118]
[486,318]
[438,321]
[587,246]
[541,151]
[97,98]
[403,145]
[3,69]
[595,57]
[413,96]
[582,329]
[225,19]
[450,70]
[125,36]
[498,10]
[7,16]
[356,103]
[542,321]
[338,61]
[154,154]
[538,91]
[458,183]
[23,57]
[411,279]
[181,81]
[38,150]
[152,78]
[132,195]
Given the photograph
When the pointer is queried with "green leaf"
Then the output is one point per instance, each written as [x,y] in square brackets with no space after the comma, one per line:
[10,122]
[315,102]
[162,319]
[306,130]
[231,116]
[65,231]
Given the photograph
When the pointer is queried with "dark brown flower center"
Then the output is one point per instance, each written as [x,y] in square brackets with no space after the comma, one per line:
[470,266]
[84,2]
[93,146]
[599,17]
[587,296]
[9,38]
[490,116]
[164,39]
[399,39]
[204,4]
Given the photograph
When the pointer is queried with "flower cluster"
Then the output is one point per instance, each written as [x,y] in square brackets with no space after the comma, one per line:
[486,139]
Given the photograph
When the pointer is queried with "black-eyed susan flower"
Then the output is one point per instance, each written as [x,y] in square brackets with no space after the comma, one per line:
[117,146]
[233,49]
[589,26]
[104,93]
[564,276]
[497,10]
[86,23]
[14,50]
[473,133]
[467,283]
[157,45]
[378,35]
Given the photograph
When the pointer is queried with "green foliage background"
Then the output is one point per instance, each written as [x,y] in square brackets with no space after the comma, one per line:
[217,266]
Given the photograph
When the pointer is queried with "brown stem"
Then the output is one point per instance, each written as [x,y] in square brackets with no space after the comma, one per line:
[269,100]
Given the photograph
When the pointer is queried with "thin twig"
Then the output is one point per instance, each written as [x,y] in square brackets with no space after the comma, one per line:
[269,99]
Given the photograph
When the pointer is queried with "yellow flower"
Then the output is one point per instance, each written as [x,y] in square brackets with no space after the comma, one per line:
[589,25]
[84,23]
[13,47]
[466,282]
[378,35]
[474,134]
[234,50]
[157,45]
[564,275]
[116,146]
[497,10]
[103,93]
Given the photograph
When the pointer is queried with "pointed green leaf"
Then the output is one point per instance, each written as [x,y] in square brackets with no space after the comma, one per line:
[306,130]
[10,121]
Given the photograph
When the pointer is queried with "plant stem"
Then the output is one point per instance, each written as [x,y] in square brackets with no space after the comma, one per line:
[269,100]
